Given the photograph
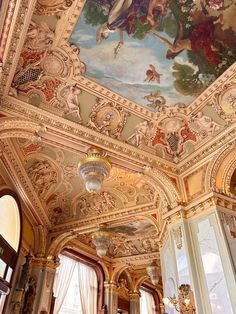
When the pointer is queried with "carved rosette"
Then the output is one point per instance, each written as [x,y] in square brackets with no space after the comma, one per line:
[107,118]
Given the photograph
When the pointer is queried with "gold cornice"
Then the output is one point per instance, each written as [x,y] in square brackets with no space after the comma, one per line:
[25,9]
[206,152]
[87,224]
[72,130]
[69,130]
[40,262]
[212,200]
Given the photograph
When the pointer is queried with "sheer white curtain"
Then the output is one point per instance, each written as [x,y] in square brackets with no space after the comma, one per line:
[88,286]
[147,304]
[62,280]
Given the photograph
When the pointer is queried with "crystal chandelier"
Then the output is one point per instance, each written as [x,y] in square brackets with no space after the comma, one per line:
[153,272]
[94,168]
[101,239]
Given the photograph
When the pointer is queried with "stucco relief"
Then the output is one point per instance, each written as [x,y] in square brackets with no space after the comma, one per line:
[68,101]
[38,40]
[170,134]
[122,246]
[96,204]
[107,118]
[43,68]
[43,176]
[136,190]
[142,134]
[225,101]
[204,125]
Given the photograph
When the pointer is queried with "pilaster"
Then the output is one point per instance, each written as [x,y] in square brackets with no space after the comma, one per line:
[201,241]
[43,271]
[134,302]
[111,297]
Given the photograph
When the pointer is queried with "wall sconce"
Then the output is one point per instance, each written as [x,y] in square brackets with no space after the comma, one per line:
[185,303]
[93,169]
[153,272]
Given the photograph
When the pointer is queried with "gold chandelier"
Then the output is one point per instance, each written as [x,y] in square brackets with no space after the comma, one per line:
[153,272]
[94,168]
[101,239]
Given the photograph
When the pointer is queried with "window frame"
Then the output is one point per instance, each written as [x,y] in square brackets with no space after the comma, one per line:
[98,270]
[10,256]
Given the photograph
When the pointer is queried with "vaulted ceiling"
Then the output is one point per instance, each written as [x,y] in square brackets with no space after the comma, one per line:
[150,82]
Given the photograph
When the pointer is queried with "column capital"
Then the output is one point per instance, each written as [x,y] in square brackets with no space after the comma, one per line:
[41,262]
[134,295]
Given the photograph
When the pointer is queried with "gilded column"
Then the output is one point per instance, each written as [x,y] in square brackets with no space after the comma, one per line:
[111,297]
[134,302]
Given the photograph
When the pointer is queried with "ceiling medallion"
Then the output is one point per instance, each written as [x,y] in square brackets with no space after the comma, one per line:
[94,168]
[101,239]
[153,272]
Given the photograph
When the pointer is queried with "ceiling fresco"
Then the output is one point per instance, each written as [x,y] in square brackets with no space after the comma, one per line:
[79,65]
[171,50]
[129,238]
[53,173]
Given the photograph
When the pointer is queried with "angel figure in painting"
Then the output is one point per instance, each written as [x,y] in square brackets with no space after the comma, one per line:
[124,14]
[201,38]
[71,96]
[156,101]
[152,75]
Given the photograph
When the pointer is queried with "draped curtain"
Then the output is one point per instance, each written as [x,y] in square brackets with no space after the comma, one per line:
[147,304]
[72,274]
[62,281]
[88,287]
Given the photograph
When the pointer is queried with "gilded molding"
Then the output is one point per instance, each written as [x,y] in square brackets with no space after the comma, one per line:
[216,200]
[87,135]
[24,14]
[214,165]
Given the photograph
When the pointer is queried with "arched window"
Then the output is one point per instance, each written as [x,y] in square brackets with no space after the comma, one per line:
[76,287]
[10,236]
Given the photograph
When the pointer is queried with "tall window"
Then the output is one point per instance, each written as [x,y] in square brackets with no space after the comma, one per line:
[147,303]
[10,232]
[75,288]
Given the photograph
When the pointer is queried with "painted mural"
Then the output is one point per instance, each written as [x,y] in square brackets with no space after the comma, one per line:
[171,50]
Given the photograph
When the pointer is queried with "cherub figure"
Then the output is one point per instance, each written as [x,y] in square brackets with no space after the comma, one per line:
[71,97]
[152,75]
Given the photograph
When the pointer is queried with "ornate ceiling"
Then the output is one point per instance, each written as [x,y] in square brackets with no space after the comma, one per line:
[158,96]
